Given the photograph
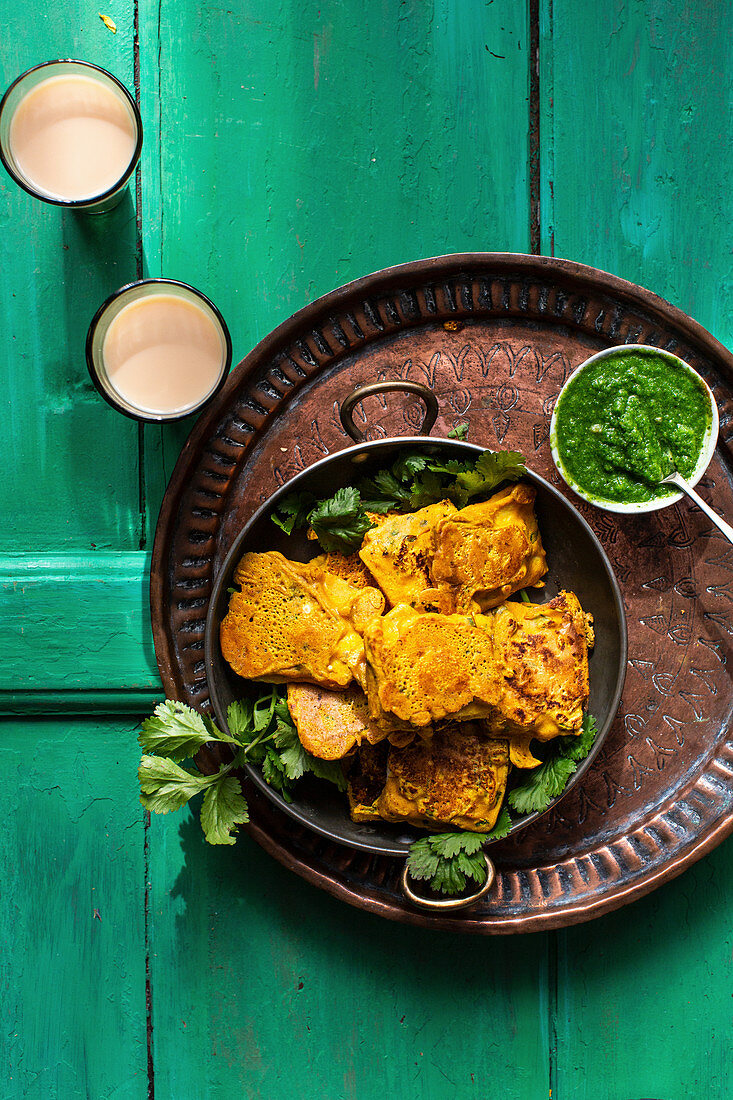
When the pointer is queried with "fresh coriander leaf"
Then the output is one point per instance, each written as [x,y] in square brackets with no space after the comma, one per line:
[542,785]
[263,710]
[239,720]
[502,826]
[577,747]
[292,511]
[472,866]
[447,860]
[340,523]
[450,844]
[282,711]
[291,752]
[408,465]
[164,787]
[294,760]
[383,492]
[273,772]
[452,466]
[330,770]
[460,431]
[448,878]
[177,732]
[422,861]
[491,468]
[427,488]
[224,807]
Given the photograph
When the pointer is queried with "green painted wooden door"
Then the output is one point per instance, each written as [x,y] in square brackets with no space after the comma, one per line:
[288,149]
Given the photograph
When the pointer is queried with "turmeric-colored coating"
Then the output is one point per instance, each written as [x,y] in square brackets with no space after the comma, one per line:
[424,667]
[541,653]
[487,551]
[296,622]
[349,567]
[456,779]
[398,552]
[331,723]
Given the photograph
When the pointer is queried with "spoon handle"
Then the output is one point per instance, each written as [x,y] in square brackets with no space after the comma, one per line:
[719,522]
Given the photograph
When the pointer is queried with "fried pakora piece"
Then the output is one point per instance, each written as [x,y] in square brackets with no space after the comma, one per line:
[296,622]
[457,779]
[424,667]
[331,724]
[542,658]
[365,781]
[349,567]
[398,552]
[487,551]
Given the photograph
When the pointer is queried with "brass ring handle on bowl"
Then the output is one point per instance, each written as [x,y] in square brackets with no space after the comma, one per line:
[424,392]
[448,904]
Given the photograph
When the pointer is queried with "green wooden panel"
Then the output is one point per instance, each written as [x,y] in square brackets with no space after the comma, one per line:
[77,623]
[644,1001]
[636,176]
[635,146]
[265,987]
[304,145]
[71,474]
[72,967]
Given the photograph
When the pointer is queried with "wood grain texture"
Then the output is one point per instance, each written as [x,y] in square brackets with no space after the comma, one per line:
[302,146]
[77,623]
[663,970]
[289,149]
[636,169]
[72,970]
[265,987]
[643,996]
[71,470]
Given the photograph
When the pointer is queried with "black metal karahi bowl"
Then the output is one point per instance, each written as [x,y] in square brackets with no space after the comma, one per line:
[576,561]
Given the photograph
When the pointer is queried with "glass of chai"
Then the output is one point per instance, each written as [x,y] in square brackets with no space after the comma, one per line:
[158,350]
[70,135]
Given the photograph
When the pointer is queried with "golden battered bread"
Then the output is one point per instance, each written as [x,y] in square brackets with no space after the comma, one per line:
[487,551]
[424,667]
[541,653]
[349,567]
[456,779]
[398,552]
[331,723]
[296,622]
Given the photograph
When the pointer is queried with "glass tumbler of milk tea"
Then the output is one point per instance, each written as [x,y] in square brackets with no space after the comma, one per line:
[158,350]
[71,135]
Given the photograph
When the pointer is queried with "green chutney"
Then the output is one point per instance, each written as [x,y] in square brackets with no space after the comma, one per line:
[626,421]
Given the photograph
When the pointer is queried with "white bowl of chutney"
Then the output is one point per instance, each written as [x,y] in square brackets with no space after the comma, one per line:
[626,418]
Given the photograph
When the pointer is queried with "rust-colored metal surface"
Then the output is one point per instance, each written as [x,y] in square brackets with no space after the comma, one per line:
[495,336]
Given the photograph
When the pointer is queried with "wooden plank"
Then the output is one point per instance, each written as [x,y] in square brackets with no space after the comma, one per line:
[635,152]
[77,623]
[72,476]
[72,969]
[264,986]
[636,172]
[304,146]
[644,994]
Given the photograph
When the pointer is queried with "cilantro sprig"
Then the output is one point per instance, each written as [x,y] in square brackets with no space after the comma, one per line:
[413,481]
[549,780]
[261,733]
[448,860]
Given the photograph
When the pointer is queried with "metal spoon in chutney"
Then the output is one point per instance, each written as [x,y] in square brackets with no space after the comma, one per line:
[625,419]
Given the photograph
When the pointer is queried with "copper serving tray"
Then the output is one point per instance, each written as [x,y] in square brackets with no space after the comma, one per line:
[495,335]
